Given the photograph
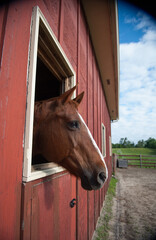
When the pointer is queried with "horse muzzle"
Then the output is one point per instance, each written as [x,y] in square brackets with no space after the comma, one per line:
[93,181]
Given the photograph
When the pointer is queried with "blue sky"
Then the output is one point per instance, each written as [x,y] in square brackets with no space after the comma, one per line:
[137,35]
[127,19]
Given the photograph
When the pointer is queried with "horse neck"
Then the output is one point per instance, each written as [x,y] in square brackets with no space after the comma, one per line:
[41,112]
[39,116]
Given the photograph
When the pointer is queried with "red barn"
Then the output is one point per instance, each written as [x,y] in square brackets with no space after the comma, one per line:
[46,47]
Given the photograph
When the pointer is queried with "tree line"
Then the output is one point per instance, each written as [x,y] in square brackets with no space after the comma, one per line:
[125,143]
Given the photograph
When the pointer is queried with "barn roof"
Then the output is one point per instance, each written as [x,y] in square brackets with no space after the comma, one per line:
[102,18]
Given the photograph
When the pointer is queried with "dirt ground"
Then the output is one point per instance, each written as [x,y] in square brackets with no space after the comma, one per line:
[134,206]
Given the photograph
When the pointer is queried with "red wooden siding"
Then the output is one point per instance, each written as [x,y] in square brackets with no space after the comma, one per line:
[90,100]
[13,73]
[40,209]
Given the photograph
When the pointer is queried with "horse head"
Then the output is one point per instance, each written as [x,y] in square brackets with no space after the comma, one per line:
[62,136]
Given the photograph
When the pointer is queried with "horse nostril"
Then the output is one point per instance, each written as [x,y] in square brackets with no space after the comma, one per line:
[101,177]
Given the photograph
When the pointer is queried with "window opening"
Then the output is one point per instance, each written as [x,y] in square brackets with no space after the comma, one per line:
[47,85]
[49,75]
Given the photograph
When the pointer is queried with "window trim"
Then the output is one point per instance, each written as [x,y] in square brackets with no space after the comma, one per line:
[29,172]
[103,129]
[110,146]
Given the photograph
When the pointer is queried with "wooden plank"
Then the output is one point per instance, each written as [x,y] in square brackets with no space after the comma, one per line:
[150,156]
[90,220]
[136,159]
[52,10]
[68,30]
[3,19]
[148,159]
[136,155]
[26,211]
[136,165]
[82,213]
[82,198]
[130,159]
[90,214]
[99,132]
[148,163]
[128,155]
[97,196]
[74,210]
[67,215]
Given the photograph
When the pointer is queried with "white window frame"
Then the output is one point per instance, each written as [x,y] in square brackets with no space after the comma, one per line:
[31,172]
[103,130]
[110,145]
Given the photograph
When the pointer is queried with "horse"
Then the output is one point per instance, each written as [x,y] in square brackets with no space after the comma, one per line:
[61,136]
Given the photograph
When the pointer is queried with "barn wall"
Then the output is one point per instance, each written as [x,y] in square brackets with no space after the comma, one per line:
[67,21]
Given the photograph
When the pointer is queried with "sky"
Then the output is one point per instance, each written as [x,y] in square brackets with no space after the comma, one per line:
[137,103]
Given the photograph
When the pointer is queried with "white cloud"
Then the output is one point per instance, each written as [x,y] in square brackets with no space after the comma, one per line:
[138,85]
[141,21]
[144,21]
[149,36]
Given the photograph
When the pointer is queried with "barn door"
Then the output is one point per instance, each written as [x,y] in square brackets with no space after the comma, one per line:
[52,215]
[49,212]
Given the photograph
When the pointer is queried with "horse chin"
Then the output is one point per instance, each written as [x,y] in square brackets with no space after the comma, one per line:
[89,187]
[86,186]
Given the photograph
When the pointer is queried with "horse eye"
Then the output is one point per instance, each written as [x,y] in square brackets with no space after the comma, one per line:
[73,125]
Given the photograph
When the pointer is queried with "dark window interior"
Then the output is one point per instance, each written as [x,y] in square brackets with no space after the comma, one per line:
[47,86]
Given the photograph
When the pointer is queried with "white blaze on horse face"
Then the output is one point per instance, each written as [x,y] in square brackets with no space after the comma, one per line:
[95,145]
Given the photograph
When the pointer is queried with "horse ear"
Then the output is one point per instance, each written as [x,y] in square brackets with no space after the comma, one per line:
[79,98]
[66,97]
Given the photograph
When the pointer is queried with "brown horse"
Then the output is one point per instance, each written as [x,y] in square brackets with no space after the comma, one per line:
[61,136]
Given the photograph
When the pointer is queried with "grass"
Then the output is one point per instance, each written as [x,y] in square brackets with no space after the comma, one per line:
[134,151]
[102,231]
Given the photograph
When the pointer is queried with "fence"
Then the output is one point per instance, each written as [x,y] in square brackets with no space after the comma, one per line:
[142,161]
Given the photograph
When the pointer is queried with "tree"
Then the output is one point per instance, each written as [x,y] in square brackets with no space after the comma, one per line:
[150,143]
[140,144]
[125,143]
[121,142]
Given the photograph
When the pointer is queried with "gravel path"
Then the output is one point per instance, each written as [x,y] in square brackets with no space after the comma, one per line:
[134,207]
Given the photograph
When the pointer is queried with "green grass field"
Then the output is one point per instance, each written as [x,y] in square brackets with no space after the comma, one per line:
[134,151]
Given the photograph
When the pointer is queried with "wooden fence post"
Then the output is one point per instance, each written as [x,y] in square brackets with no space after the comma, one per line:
[114,161]
[140,160]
